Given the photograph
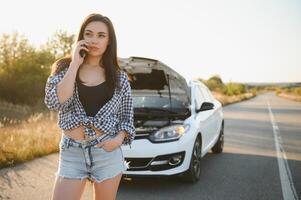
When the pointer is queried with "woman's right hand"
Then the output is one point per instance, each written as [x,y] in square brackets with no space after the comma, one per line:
[77,60]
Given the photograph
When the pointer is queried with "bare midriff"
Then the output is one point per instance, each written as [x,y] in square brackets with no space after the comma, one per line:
[79,134]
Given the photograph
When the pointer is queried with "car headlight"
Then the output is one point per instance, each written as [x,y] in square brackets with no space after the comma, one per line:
[169,133]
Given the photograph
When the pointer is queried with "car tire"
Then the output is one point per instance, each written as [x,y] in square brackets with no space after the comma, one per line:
[192,175]
[219,145]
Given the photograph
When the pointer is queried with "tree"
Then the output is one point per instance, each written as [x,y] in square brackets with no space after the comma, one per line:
[23,70]
[12,47]
[214,83]
[60,44]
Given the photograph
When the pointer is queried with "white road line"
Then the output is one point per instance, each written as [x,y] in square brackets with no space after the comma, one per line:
[287,184]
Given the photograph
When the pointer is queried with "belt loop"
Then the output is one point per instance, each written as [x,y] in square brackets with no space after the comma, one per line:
[68,142]
[86,143]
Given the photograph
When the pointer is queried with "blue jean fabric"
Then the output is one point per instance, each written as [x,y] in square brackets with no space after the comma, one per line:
[79,159]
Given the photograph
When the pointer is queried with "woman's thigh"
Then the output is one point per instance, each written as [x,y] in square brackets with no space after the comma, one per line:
[107,172]
[106,164]
[68,189]
[107,189]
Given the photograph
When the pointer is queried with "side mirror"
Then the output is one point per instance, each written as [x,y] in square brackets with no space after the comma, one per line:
[205,106]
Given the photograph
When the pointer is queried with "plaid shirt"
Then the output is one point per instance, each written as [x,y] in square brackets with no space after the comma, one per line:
[116,115]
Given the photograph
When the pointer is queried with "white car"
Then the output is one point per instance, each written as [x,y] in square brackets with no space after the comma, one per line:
[176,122]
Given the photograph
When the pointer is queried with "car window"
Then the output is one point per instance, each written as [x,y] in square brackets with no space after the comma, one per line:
[206,95]
[199,98]
[210,94]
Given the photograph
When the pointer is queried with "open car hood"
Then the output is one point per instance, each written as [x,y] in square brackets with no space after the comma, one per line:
[151,77]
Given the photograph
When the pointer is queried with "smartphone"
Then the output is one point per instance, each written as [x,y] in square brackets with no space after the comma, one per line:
[83,52]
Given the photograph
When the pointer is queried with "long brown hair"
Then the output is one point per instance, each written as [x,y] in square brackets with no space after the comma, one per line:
[109,58]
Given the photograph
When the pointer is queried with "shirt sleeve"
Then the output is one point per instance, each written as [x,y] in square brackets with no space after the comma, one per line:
[51,99]
[126,112]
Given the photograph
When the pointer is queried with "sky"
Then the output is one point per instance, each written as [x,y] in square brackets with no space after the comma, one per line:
[239,40]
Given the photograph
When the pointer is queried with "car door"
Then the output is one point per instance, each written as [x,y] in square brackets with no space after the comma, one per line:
[218,115]
[211,116]
[202,118]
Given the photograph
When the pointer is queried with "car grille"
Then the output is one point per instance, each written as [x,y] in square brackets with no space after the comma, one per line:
[142,164]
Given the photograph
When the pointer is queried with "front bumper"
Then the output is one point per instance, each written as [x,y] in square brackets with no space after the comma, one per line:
[147,158]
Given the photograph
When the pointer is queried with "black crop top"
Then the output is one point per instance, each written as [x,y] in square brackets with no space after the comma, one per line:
[92,97]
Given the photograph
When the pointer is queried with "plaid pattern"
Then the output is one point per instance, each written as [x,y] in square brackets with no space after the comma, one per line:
[116,115]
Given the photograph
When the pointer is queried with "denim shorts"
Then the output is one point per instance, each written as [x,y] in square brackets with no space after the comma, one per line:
[79,159]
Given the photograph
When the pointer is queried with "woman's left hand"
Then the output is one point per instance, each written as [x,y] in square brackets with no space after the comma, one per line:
[110,145]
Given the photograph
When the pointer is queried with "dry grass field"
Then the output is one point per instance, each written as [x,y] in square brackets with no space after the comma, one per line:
[34,137]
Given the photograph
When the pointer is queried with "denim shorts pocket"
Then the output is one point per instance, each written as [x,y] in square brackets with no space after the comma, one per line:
[107,150]
[102,149]
[121,153]
[125,163]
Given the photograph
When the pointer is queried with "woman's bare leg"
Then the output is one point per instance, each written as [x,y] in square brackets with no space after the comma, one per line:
[68,189]
[107,189]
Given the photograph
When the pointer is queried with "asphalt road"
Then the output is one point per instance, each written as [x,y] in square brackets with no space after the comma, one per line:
[261,160]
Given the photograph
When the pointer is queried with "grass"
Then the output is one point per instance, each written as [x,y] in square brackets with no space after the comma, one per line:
[291,96]
[225,99]
[293,93]
[11,114]
[34,137]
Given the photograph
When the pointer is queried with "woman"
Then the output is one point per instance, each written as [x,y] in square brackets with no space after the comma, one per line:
[93,97]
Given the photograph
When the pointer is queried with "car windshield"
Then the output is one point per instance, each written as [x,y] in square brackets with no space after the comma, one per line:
[157,102]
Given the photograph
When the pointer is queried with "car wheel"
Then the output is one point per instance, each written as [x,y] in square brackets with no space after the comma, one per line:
[219,145]
[193,174]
